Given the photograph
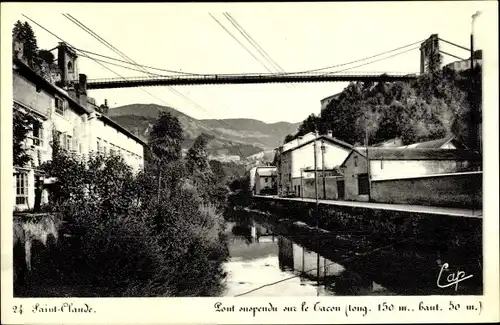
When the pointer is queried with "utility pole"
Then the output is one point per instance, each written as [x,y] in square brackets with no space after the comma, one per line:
[323,167]
[316,176]
[301,182]
[368,161]
[317,205]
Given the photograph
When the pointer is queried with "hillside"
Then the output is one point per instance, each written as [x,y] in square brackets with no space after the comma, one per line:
[241,137]
[431,107]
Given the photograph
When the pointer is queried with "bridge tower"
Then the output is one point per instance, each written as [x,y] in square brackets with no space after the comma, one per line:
[67,61]
[429,54]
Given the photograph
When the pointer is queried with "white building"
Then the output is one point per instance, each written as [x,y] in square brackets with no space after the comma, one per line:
[67,115]
[298,155]
[265,180]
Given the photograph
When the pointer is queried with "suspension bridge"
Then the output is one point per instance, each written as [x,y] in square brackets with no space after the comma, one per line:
[243,79]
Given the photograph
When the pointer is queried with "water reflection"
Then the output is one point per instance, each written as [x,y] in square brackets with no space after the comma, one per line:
[260,257]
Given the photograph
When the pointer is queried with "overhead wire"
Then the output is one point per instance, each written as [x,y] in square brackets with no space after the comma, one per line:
[84,55]
[256,46]
[356,61]
[144,66]
[107,68]
[131,61]
[326,73]
[241,44]
[378,60]
[253,42]
[272,73]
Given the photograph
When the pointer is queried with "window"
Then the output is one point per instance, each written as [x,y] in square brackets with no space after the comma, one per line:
[355,161]
[59,106]
[381,164]
[363,184]
[266,179]
[69,143]
[37,133]
[99,147]
[21,188]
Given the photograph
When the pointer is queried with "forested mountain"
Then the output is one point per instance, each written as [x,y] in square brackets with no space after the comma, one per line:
[232,137]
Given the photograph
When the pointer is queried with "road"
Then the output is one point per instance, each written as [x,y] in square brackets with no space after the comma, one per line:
[453,212]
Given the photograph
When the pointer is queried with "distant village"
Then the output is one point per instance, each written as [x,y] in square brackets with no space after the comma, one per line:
[440,172]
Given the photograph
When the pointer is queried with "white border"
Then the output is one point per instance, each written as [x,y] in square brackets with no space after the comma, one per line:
[201,310]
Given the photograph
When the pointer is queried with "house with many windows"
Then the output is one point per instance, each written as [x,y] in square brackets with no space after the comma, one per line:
[69,115]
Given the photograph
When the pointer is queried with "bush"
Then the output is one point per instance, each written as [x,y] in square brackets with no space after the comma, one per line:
[133,238]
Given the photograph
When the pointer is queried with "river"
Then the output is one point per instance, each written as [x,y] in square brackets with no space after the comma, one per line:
[267,259]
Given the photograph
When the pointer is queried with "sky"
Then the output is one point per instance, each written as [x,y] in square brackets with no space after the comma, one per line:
[298,36]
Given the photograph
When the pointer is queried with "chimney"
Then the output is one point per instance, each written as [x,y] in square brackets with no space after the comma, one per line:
[82,90]
[330,133]
[104,107]
[82,84]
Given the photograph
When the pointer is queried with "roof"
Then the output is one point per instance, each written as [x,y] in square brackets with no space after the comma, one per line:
[433,143]
[323,137]
[396,142]
[416,154]
[122,129]
[26,71]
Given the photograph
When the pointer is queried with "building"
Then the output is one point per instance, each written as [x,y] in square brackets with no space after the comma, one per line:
[463,65]
[298,155]
[328,100]
[412,176]
[67,114]
[108,137]
[265,180]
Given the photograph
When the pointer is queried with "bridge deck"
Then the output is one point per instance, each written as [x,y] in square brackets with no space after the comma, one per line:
[453,212]
[241,79]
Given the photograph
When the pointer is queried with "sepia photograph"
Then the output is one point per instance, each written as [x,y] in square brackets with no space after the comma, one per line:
[165,151]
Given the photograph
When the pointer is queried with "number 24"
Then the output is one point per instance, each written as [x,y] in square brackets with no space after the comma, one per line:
[18,309]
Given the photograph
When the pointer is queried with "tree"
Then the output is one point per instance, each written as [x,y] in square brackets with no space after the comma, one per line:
[22,126]
[46,56]
[289,138]
[218,170]
[197,155]
[42,61]
[309,125]
[24,34]
[166,137]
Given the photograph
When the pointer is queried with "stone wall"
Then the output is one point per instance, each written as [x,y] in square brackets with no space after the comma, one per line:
[452,190]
